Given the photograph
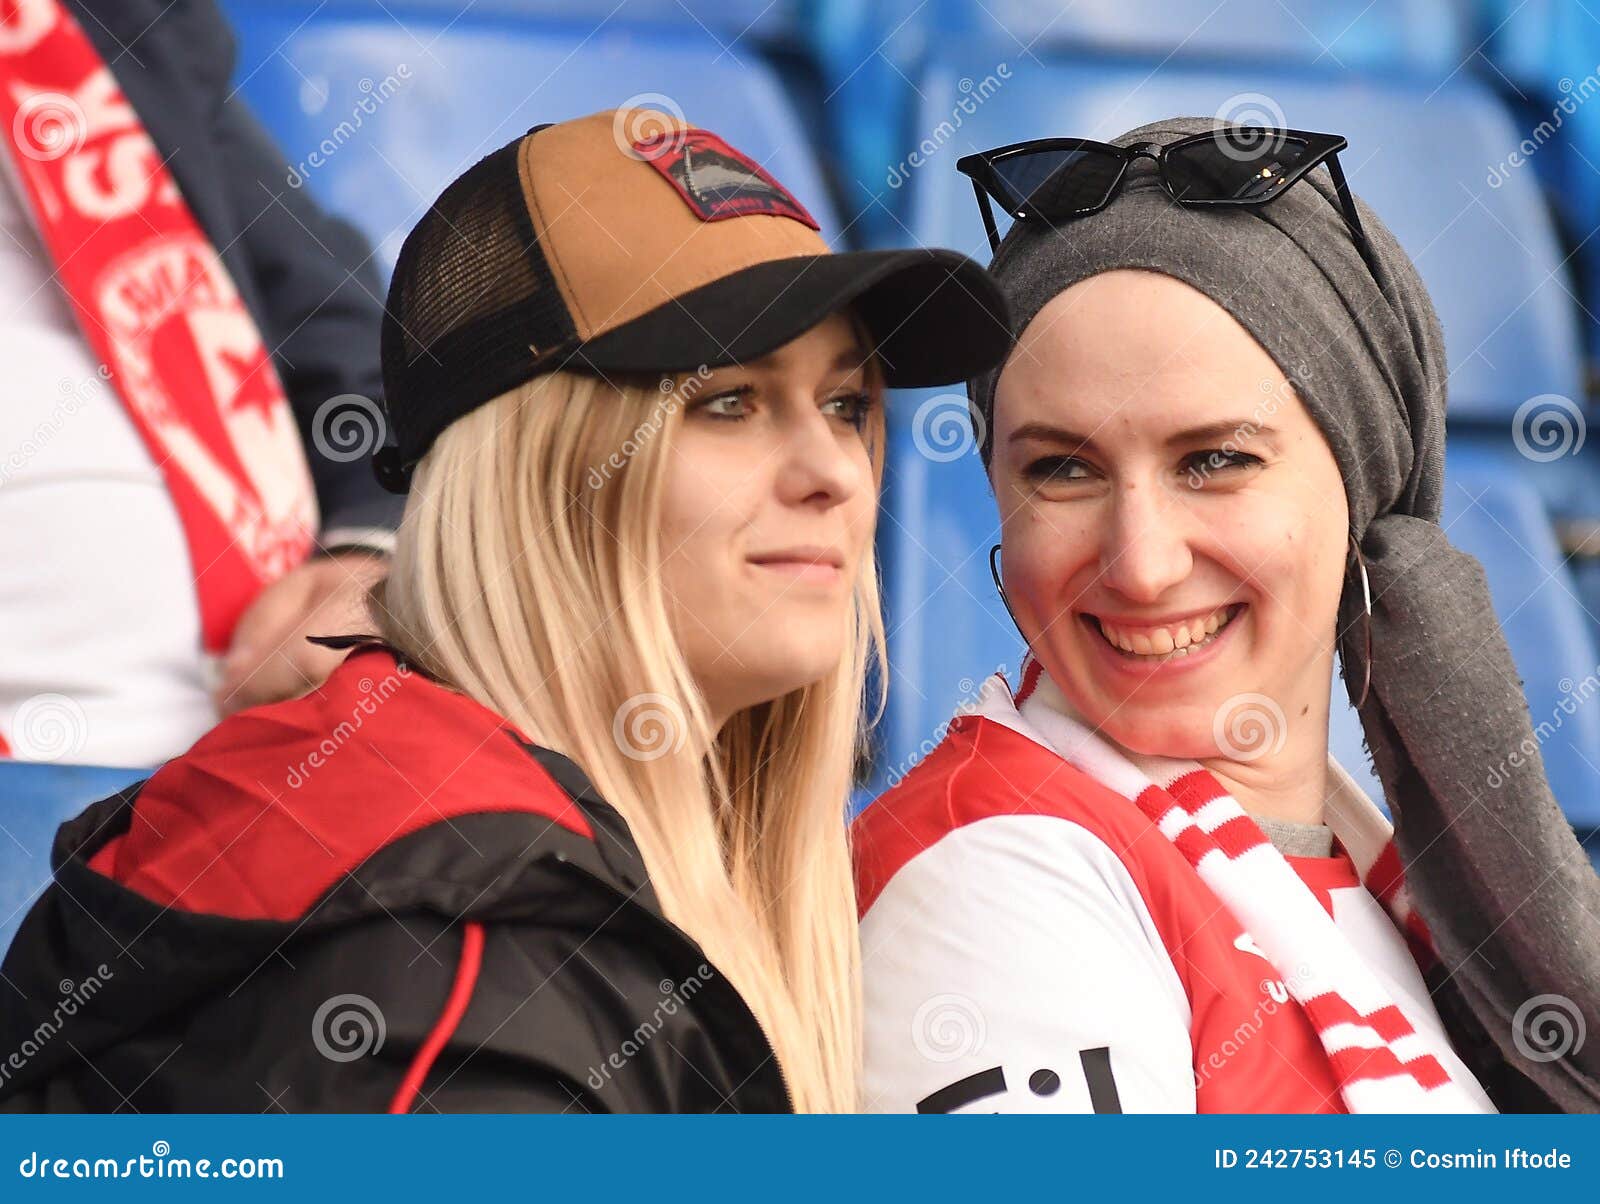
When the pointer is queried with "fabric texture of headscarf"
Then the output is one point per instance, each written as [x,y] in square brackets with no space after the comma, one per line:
[1511,898]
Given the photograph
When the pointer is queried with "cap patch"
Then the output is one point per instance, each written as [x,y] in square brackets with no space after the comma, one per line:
[715,180]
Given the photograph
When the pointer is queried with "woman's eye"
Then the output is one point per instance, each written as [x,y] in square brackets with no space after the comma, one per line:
[852,407]
[733,405]
[1048,469]
[1217,461]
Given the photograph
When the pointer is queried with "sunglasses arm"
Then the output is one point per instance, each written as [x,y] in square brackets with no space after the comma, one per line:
[1348,204]
[988,218]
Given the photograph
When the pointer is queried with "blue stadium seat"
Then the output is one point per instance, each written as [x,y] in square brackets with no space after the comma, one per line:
[1548,51]
[36,799]
[445,89]
[1424,36]
[1489,256]
[728,19]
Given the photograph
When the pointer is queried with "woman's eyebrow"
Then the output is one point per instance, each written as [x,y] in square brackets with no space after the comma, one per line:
[1224,429]
[1227,429]
[850,361]
[1051,434]
[852,357]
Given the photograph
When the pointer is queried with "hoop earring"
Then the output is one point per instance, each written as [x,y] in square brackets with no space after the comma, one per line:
[1366,621]
[994,572]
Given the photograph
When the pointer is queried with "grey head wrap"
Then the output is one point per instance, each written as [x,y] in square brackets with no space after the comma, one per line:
[1510,897]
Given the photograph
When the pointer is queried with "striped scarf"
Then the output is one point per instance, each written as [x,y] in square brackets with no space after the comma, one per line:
[1382,1063]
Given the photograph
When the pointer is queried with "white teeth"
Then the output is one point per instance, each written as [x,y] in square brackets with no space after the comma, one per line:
[1166,641]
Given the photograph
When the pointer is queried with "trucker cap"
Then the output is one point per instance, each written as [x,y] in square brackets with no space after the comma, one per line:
[629,242]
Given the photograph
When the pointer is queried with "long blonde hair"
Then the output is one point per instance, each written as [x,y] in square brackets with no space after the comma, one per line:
[526,576]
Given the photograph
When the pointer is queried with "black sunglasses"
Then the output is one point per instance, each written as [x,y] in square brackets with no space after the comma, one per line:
[1058,179]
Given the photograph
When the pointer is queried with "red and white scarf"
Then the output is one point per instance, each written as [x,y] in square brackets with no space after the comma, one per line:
[1382,1062]
[160,311]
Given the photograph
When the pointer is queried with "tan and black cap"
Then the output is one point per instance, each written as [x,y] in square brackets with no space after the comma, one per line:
[627,243]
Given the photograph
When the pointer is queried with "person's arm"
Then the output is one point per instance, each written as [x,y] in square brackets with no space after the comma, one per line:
[564,1021]
[1013,967]
[321,304]
[538,1018]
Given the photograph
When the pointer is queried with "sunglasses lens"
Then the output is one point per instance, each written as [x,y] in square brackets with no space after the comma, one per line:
[1245,164]
[1058,183]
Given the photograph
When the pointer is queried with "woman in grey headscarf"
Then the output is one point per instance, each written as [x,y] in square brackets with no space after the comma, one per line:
[1218,448]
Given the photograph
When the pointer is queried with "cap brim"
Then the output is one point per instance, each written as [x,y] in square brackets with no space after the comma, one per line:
[935,317]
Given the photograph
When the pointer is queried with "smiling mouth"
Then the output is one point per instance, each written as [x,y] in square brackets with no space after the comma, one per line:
[1173,642]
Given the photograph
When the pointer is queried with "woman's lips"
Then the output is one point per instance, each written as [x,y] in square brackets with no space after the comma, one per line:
[802,570]
[808,564]
[1164,656]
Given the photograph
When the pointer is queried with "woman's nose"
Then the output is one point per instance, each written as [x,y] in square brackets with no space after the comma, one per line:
[1145,547]
[816,466]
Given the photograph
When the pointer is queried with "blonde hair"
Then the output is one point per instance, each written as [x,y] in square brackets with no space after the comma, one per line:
[525,586]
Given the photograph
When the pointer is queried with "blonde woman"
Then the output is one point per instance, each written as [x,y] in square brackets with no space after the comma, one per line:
[568,833]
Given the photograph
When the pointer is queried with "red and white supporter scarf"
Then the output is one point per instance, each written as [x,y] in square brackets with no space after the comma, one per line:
[159,310]
[1382,1062]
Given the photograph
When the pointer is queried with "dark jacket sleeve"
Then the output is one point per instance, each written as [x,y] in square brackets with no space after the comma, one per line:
[321,307]
[563,1020]
[579,1021]
[336,1023]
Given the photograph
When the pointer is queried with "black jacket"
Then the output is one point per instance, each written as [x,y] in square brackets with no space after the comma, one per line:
[282,917]
[306,277]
